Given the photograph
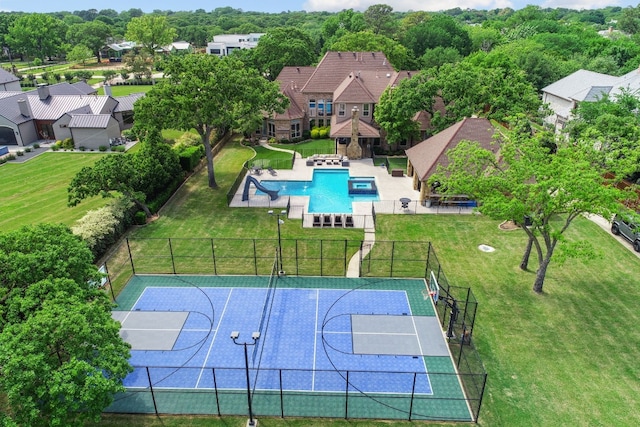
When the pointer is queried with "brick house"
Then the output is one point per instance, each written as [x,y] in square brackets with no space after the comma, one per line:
[327,94]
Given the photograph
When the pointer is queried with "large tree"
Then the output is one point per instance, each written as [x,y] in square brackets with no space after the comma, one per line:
[151,32]
[379,18]
[37,35]
[61,358]
[206,93]
[139,177]
[550,184]
[92,34]
[283,46]
[366,41]
[439,30]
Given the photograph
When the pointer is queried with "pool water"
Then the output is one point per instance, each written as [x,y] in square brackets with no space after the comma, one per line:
[328,191]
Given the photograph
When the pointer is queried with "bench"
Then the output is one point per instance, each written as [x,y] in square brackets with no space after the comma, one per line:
[397,172]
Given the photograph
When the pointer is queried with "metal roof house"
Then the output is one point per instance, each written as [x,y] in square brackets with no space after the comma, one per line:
[564,95]
[49,113]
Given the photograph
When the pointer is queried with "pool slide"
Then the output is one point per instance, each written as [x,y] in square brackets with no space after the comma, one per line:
[245,194]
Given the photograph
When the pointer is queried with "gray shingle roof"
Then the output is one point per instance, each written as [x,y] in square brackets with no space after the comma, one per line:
[93,121]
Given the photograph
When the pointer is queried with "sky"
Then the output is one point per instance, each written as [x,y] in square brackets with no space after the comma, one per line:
[295,5]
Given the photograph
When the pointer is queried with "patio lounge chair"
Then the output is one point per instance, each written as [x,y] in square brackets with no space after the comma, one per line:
[348,221]
[327,220]
[316,221]
[271,171]
[337,221]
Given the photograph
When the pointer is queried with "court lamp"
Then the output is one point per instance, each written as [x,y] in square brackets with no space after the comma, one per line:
[254,336]
[280,221]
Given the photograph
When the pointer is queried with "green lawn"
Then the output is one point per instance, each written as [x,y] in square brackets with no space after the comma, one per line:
[36,191]
[122,90]
[314,146]
[567,357]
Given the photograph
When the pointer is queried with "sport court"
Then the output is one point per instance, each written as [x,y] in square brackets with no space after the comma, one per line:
[317,335]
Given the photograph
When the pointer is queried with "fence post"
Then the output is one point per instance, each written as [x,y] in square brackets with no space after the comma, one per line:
[413,393]
[281,395]
[213,256]
[215,388]
[297,265]
[426,270]
[346,263]
[133,269]
[321,258]
[106,269]
[255,258]
[346,398]
[484,384]
[153,397]
[173,263]
[393,248]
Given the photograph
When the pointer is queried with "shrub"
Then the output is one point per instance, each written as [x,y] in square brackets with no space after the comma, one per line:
[3,160]
[103,148]
[186,140]
[323,133]
[315,133]
[272,140]
[57,77]
[28,149]
[67,144]
[190,157]
[102,227]
[45,76]
[140,218]
[124,75]
[68,76]
[37,62]
[84,74]
[36,145]
[31,77]
[10,157]
[82,148]
[20,153]
[119,148]
[55,147]
[129,134]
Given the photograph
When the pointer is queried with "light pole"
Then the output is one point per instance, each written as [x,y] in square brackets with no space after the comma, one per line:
[280,221]
[255,336]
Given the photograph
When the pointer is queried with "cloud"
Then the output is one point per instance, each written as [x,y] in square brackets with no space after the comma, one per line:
[405,5]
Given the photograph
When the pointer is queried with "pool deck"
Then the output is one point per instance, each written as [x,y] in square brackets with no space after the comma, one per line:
[389,188]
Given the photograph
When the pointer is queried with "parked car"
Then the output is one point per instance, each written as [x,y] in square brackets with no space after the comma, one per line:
[628,229]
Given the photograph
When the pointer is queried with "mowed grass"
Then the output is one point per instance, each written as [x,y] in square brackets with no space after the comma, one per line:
[566,357]
[123,90]
[36,191]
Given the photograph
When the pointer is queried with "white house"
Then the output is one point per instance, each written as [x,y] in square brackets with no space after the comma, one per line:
[565,94]
[224,44]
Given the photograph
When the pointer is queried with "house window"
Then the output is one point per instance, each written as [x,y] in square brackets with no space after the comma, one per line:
[342,110]
[295,129]
[329,107]
[312,123]
[365,110]
[271,129]
[320,122]
[321,107]
[312,108]
[215,51]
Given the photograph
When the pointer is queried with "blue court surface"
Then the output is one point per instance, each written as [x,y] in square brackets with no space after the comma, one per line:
[307,343]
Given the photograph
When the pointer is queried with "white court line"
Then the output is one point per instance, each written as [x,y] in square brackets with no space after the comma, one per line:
[424,363]
[315,342]
[226,304]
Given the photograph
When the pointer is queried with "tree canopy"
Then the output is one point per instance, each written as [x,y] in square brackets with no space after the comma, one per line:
[206,93]
[37,35]
[549,186]
[150,31]
[281,47]
[61,358]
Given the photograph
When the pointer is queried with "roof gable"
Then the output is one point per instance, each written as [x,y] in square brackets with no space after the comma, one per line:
[426,156]
[89,121]
[7,77]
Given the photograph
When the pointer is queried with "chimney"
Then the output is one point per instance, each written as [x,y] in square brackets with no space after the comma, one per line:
[107,90]
[43,92]
[23,105]
[354,151]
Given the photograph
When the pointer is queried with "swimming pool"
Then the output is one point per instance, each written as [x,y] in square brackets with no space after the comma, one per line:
[328,191]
